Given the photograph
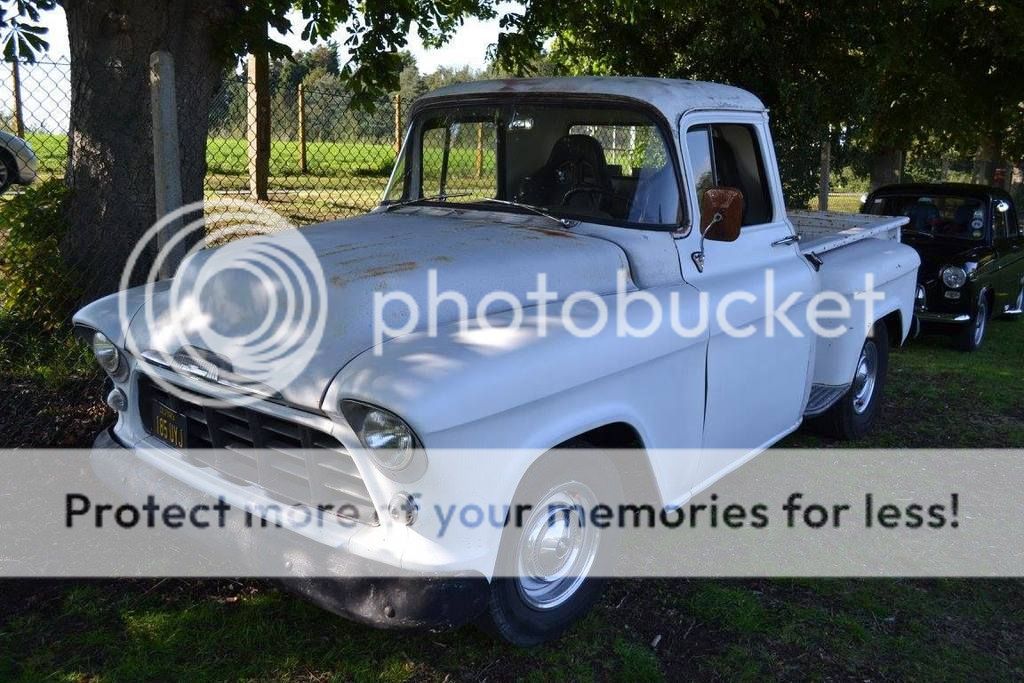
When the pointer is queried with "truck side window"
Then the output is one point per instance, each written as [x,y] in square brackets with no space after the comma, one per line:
[728,155]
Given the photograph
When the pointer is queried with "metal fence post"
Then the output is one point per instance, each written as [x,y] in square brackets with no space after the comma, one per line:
[166,155]
[303,166]
[19,120]
[258,128]
[479,150]
[398,122]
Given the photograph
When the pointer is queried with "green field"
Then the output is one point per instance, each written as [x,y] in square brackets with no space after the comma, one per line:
[717,629]
[343,178]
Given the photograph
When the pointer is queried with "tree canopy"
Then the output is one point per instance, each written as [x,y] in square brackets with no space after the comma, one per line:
[938,74]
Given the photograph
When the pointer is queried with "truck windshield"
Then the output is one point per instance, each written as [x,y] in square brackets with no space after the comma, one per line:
[943,217]
[586,162]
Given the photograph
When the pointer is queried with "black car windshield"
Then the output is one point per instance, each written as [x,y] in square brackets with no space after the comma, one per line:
[586,161]
[940,216]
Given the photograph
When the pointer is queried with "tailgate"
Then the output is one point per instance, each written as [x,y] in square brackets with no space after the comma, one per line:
[823,231]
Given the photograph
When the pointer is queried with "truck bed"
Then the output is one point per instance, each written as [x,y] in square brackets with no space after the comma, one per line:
[823,231]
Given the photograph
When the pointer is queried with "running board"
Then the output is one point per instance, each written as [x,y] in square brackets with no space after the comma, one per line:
[823,397]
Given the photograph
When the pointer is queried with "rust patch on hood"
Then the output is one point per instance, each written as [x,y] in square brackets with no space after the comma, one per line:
[553,233]
[390,268]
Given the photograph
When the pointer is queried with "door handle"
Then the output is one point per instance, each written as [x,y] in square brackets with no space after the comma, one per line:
[789,239]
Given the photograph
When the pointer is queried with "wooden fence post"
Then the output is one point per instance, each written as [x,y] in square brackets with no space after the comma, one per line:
[303,166]
[19,120]
[258,128]
[166,156]
[398,122]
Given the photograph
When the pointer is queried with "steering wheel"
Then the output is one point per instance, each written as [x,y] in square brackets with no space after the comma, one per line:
[589,189]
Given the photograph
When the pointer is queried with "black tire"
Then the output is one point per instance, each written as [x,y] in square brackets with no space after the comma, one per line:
[8,171]
[510,614]
[854,414]
[973,333]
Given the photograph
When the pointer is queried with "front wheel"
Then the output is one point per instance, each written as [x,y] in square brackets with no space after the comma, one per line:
[973,333]
[553,562]
[8,172]
[854,414]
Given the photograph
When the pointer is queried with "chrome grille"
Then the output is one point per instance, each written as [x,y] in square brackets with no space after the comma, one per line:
[292,462]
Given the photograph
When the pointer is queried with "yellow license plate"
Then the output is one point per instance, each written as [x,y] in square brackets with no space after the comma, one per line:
[170,426]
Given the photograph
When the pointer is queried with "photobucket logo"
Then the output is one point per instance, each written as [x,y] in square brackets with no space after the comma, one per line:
[248,315]
[628,312]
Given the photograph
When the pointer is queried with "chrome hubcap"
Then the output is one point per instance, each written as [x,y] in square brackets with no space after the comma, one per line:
[865,378]
[558,547]
[979,322]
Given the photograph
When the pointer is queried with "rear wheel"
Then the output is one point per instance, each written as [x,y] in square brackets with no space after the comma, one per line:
[854,414]
[552,565]
[973,333]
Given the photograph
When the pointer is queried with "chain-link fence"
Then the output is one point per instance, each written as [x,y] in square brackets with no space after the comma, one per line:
[326,159]
[323,160]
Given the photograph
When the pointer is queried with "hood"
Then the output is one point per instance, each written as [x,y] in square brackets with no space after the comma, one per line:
[231,304]
[938,253]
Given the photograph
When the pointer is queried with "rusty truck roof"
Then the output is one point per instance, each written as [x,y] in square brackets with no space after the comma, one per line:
[671,96]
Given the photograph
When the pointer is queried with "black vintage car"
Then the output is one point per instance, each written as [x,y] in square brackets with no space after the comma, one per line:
[972,253]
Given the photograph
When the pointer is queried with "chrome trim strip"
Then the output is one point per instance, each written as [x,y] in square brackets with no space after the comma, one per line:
[929,317]
[161,360]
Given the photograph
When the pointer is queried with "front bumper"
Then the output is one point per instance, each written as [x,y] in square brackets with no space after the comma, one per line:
[373,594]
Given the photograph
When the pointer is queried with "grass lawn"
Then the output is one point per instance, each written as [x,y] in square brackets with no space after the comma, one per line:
[749,630]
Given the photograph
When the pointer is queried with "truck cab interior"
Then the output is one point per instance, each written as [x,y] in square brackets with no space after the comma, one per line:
[600,162]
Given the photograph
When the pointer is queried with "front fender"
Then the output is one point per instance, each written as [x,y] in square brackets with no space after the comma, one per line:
[112,314]
[444,384]
[487,403]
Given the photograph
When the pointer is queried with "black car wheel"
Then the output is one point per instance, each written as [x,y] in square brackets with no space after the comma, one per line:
[551,567]
[973,333]
[854,414]
[7,171]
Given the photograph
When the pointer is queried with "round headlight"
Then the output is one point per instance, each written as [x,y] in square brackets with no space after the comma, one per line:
[954,277]
[106,353]
[390,442]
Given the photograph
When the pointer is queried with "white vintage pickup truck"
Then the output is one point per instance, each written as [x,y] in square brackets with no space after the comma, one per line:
[609,188]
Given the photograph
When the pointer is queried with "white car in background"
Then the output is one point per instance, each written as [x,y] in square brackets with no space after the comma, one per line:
[18,163]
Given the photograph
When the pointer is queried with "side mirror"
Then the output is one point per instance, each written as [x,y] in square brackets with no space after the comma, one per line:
[721,216]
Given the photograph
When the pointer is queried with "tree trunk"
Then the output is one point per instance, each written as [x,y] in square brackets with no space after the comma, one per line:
[110,162]
[824,172]
[885,167]
[987,160]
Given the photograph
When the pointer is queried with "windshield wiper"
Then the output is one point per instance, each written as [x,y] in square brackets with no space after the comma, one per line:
[918,232]
[442,197]
[564,222]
